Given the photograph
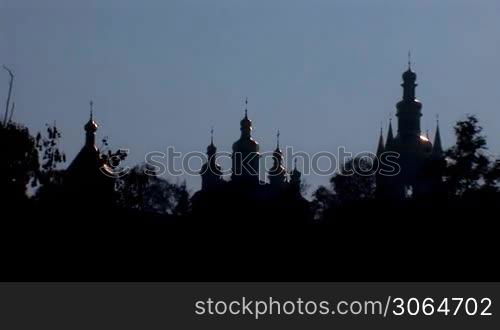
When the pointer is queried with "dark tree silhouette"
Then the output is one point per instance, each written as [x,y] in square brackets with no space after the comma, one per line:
[468,167]
[353,184]
[355,181]
[323,202]
[182,200]
[19,162]
[49,177]
[143,190]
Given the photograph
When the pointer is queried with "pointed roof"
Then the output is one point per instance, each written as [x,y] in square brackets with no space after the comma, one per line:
[295,174]
[390,136]
[437,148]
[380,148]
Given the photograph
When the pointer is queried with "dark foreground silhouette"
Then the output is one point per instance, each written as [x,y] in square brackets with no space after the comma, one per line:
[400,244]
[434,220]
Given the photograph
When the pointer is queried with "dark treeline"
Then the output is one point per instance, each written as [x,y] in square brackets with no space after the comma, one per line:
[33,180]
[80,222]
[56,232]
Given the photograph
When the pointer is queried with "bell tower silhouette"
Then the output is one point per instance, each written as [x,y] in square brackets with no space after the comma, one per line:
[409,109]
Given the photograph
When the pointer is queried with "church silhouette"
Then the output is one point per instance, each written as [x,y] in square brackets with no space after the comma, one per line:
[359,241]
[420,161]
[280,198]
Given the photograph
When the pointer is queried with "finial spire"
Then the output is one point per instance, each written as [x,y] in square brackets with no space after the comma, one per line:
[212,135]
[246,107]
[409,59]
[91,109]
[278,139]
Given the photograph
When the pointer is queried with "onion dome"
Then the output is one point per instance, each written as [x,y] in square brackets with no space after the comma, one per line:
[409,75]
[91,126]
[246,143]
[245,122]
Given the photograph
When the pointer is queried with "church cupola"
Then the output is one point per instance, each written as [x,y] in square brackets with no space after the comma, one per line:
[246,125]
[211,172]
[90,129]
[409,85]
[211,149]
[277,173]
[246,152]
[246,143]
[409,108]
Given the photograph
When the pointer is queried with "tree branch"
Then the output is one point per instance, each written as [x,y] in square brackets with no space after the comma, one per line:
[11,82]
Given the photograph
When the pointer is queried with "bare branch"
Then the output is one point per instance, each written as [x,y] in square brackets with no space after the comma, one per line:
[12,111]
[11,74]
[7,105]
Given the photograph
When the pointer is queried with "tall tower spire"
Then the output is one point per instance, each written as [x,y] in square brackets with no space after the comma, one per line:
[437,149]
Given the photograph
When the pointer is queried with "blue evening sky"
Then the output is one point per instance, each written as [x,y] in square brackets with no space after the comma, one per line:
[326,73]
